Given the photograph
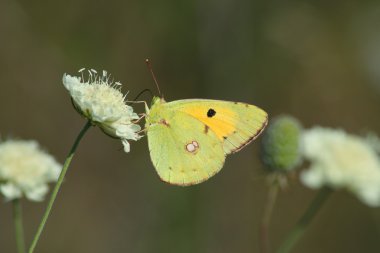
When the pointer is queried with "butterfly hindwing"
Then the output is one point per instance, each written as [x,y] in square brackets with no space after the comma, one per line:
[182,149]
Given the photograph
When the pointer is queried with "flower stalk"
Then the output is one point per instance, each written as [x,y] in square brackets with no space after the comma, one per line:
[265,222]
[58,186]
[301,226]
[19,229]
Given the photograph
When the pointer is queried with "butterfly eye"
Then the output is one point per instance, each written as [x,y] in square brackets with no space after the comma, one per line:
[211,113]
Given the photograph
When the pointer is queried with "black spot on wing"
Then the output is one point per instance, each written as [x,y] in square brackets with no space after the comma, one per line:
[211,113]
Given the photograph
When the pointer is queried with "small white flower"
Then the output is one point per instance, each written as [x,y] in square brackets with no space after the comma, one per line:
[25,170]
[101,101]
[339,160]
[374,141]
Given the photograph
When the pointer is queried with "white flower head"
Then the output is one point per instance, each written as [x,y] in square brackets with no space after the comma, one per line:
[25,170]
[340,160]
[100,100]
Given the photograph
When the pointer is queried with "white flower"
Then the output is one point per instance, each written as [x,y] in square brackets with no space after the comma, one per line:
[374,141]
[101,101]
[25,170]
[339,160]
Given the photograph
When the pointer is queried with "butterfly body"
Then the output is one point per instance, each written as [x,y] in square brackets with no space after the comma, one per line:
[189,139]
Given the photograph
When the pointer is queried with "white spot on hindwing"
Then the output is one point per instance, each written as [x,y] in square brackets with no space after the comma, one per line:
[192,147]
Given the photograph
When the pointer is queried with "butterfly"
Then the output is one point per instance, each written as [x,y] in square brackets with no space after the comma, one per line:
[189,139]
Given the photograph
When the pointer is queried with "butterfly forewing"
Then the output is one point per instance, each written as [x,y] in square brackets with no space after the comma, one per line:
[235,124]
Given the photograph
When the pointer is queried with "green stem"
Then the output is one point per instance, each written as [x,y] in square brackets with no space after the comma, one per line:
[58,186]
[265,222]
[19,230]
[299,229]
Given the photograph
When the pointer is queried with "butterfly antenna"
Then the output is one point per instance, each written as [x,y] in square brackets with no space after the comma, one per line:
[154,77]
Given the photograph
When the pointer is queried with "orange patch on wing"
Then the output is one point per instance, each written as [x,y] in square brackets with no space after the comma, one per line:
[222,123]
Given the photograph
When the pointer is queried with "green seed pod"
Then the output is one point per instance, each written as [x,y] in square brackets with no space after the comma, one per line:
[281,144]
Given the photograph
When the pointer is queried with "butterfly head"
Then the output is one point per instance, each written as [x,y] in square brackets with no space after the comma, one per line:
[156,100]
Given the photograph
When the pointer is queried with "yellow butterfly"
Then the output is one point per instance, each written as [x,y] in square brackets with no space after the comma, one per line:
[189,139]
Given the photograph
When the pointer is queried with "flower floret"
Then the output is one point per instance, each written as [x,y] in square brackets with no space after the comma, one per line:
[101,101]
[25,170]
[340,160]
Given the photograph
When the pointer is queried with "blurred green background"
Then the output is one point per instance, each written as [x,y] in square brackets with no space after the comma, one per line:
[316,60]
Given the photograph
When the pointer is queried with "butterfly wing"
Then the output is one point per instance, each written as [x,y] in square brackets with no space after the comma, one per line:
[182,150]
[235,124]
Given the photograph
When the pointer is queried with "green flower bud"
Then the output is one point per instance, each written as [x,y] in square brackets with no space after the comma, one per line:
[281,144]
